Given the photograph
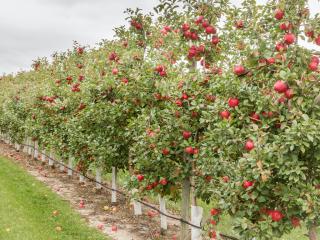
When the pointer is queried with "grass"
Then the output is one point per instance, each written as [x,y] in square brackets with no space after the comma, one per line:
[26,210]
[226,221]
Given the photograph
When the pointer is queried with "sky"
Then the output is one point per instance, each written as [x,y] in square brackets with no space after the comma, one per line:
[37,28]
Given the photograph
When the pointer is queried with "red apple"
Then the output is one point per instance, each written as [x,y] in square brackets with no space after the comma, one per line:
[280,86]
[315,59]
[184,96]
[140,177]
[239,70]
[313,66]
[165,151]
[233,102]
[186,134]
[199,20]
[278,14]
[289,38]
[289,93]
[249,145]
[80,50]
[246,184]
[185,27]
[239,24]
[163,181]
[115,71]
[271,60]
[295,222]
[214,211]
[210,30]
[215,40]
[225,114]
[280,47]
[226,179]
[255,117]
[189,150]
[114,228]
[317,40]
[179,103]
[275,215]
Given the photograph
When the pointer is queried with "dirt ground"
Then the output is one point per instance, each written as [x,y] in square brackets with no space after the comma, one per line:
[116,220]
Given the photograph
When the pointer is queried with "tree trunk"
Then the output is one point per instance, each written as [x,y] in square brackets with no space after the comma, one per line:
[185,208]
[313,232]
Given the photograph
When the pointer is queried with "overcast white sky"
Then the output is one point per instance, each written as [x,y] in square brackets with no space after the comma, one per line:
[32,28]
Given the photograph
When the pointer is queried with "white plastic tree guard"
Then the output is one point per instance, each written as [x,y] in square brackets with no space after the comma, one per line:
[25,148]
[98,178]
[70,163]
[196,217]
[163,219]
[114,185]
[43,155]
[81,178]
[36,151]
[29,142]
[61,167]
[51,157]
[137,208]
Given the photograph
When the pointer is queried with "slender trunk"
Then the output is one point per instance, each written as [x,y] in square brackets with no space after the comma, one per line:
[185,208]
[313,232]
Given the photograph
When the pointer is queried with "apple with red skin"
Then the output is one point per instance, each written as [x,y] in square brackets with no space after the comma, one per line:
[255,117]
[199,20]
[189,150]
[239,70]
[165,151]
[239,24]
[317,40]
[249,145]
[214,211]
[295,221]
[278,14]
[114,228]
[100,226]
[271,60]
[280,47]
[179,103]
[205,24]
[315,59]
[186,134]
[184,96]
[113,56]
[163,181]
[211,30]
[140,177]
[280,86]
[289,93]
[215,40]
[226,179]
[233,102]
[125,80]
[289,38]
[115,71]
[225,114]
[275,215]
[246,184]
[80,50]
[185,27]
[313,66]
[80,78]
